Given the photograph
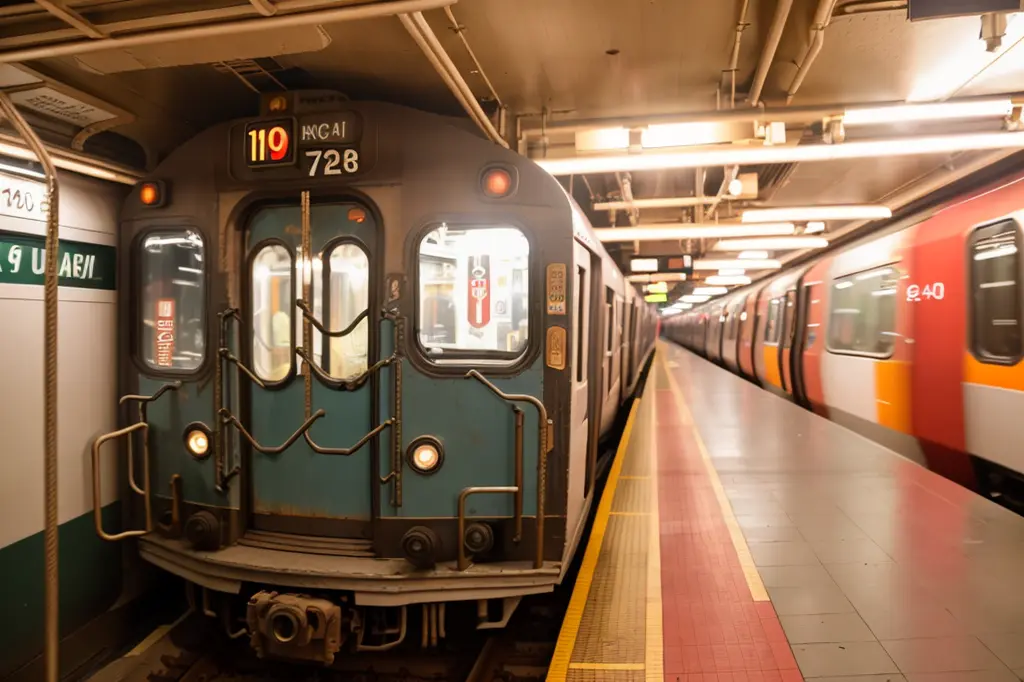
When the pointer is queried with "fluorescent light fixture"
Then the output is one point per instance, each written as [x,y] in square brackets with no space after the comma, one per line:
[727,280]
[692,231]
[655,298]
[814,227]
[657,288]
[732,272]
[695,298]
[805,213]
[693,133]
[643,264]
[761,156]
[775,244]
[939,111]
[24,172]
[663,276]
[669,312]
[602,139]
[710,291]
[752,255]
[93,171]
[668,202]
[767,264]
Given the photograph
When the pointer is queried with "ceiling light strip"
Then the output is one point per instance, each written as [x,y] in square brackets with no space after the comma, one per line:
[12,147]
[765,264]
[809,213]
[776,244]
[693,231]
[939,144]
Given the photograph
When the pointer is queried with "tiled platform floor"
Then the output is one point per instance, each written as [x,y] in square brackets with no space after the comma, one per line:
[789,548]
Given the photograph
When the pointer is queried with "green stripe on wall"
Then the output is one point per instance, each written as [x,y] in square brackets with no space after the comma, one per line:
[90,582]
[83,265]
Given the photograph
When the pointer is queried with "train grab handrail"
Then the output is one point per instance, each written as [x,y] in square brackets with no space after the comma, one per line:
[308,314]
[228,418]
[143,490]
[545,438]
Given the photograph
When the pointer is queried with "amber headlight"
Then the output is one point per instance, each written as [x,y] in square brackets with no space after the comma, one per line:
[197,440]
[425,455]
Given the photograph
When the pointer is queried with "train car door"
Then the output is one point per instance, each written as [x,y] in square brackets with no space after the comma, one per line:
[786,352]
[307,488]
[582,433]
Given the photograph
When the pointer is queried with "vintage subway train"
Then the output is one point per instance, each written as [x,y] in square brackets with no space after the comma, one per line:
[911,336]
[365,360]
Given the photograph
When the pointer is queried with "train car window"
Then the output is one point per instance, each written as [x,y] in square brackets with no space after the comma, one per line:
[609,300]
[581,291]
[996,300]
[474,292]
[348,296]
[771,327]
[273,312]
[172,301]
[790,317]
[862,315]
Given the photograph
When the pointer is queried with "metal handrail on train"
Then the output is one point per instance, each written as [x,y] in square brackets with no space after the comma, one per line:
[144,490]
[545,443]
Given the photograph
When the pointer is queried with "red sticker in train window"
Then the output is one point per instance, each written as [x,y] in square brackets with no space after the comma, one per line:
[165,332]
[479,291]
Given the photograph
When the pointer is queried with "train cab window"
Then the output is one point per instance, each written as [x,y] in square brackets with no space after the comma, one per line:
[863,313]
[473,293]
[996,299]
[348,297]
[273,312]
[172,313]
[771,326]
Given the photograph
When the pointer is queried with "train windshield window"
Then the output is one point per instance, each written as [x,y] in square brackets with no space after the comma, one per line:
[863,313]
[273,308]
[474,292]
[173,300]
[348,297]
[995,264]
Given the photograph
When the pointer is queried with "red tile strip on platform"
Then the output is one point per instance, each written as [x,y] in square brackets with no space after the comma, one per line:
[714,630]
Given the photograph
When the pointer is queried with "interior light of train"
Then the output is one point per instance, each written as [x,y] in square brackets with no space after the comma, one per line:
[655,298]
[805,213]
[643,264]
[727,280]
[695,298]
[814,227]
[710,291]
[766,155]
[497,182]
[692,231]
[939,111]
[754,255]
[750,264]
[775,244]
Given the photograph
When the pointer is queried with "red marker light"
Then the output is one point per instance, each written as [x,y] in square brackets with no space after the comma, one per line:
[277,142]
[497,182]
[152,194]
[356,215]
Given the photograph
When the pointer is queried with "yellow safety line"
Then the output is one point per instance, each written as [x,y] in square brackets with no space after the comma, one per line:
[606,666]
[559,668]
[753,578]
[654,641]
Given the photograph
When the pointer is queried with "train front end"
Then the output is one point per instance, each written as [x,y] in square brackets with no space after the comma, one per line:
[345,346]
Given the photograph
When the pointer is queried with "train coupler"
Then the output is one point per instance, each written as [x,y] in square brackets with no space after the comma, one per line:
[294,627]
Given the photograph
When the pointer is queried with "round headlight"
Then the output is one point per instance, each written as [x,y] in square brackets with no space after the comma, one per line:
[425,455]
[197,440]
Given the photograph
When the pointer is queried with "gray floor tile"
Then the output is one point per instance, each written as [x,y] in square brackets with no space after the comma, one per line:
[825,627]
[1008,648]
[795,576]
[941,654]
[772,534]
[853,550]
[810,600]
[796,553]
[1003,675]
[849,658]
[889,677]
[903,621]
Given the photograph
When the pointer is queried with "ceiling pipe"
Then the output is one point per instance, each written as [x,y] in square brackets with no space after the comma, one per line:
[734,58]
[264,7]
[460,31]
[771,45]
[72,18]
[421,32]
[730,175]
[250,25]
[817,39]
[671,202]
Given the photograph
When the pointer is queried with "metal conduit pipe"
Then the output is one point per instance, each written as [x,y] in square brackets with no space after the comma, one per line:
[459,31]
[71,18]
[278,21]
[417,25]
[264,7]
[734,58]
[817,39]
[51,642]
[730,175]
[850,8]
[771,45]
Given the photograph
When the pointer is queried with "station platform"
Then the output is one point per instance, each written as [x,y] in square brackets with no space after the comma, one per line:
[742,538]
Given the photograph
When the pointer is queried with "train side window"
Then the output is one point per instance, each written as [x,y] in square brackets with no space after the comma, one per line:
[581,296]
[273,307]
[996,297]
[862,315]
[348,297]
[172,313]
[610,312]
[790,317]
[473,293]
[771,326]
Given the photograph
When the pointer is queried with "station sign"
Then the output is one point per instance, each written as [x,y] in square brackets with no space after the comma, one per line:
[918,10]
[679,263]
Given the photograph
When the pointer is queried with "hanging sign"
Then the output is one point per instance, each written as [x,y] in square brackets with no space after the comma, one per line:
[165,332]
[937,9]
[479,291]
